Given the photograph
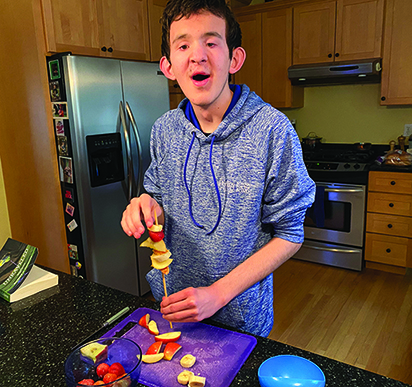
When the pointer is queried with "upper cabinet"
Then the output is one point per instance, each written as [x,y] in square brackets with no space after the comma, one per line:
[156,8]
[110,28]
[337,31]
[267,39]
[397,54]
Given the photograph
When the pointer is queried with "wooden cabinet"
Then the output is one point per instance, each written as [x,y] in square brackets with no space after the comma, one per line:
[155,8]
[337,31]
[267,39]
[397,54]
[388,241]
[110,28]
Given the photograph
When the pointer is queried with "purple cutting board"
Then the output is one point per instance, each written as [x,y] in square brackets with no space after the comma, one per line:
[220,353]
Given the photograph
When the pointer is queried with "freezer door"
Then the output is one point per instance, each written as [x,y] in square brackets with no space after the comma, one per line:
[94,91]
[146,92]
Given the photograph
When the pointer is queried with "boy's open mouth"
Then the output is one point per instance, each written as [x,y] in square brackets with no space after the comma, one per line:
[200,77]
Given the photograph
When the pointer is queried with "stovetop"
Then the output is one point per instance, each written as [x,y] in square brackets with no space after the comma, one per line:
[340,163]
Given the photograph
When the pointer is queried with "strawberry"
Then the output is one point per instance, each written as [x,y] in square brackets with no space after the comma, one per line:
[116,368]
[109,377]
[86,382]
[102,369]
[156,236]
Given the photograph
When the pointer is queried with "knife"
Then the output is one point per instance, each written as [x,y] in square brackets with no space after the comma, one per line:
[105,324]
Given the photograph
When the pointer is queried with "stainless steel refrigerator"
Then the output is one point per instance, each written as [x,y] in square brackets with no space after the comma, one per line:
[103,111]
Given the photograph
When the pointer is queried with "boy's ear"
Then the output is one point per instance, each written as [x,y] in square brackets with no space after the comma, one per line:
[166,68]
[238,58]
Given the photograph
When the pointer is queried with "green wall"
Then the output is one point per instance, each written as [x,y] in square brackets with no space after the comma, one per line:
[349,114]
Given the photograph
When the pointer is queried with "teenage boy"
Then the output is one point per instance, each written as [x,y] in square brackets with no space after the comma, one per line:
[226,177]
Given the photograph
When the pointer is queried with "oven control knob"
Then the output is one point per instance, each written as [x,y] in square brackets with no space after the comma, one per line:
[356,166]
[346,166]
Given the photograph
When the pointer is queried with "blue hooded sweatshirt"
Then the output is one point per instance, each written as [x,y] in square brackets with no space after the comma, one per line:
[224,197]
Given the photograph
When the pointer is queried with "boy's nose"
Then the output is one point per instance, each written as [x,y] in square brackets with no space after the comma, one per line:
[198,54]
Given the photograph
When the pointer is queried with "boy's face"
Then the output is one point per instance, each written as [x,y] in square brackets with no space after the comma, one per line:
[199,59]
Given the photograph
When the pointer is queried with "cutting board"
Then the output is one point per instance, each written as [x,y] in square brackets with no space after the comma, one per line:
[220,353]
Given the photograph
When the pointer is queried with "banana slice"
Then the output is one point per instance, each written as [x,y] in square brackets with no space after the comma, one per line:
[185,377]
[161,265]
[187,361]
[161,257]
[197,381]
[156,228]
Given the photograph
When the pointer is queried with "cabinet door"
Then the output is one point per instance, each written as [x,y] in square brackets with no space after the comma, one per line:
[397,54]
[126,28]
[277,57]
[156,8]
[251,72]
[359,29]
[314,33]
[72,26]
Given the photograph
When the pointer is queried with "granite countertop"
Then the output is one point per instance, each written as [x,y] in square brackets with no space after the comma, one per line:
[38,333]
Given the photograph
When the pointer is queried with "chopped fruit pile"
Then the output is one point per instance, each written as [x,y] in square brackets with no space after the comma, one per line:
[108,374]
[161,255]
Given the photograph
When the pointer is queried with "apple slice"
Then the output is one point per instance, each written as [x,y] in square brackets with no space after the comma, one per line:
[96,352]
[152,358]
[144,321]
[159,246]
[170,349]
[152,328]
[154,348]
[168,337]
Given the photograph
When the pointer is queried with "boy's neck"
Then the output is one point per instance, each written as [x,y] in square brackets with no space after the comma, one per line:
[210,117]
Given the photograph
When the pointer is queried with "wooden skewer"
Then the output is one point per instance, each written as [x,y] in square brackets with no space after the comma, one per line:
[155,217]
[164,285]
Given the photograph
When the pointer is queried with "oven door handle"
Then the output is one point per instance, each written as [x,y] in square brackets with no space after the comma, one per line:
[343,190]
[333,250]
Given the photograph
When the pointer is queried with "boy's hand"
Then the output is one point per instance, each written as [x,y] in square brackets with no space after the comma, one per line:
[140,208]
[191,305]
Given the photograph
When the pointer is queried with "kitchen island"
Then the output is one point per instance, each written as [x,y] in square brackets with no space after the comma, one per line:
[38,333]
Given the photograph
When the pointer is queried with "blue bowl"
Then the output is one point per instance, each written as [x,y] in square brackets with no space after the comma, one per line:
[120,349]
[290,370]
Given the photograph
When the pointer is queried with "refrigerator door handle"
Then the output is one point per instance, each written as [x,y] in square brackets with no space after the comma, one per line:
[129,172]
[139,148]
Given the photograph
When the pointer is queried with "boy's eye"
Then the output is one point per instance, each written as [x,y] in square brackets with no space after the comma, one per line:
[183,47]
[211,44]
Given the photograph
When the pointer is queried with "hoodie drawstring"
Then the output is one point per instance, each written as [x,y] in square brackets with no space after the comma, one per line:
[214,180]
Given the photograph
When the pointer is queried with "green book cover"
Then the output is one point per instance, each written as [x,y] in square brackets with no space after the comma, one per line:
[16,261]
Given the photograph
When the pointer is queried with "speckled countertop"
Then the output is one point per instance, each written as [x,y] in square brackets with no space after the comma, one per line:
[37,334]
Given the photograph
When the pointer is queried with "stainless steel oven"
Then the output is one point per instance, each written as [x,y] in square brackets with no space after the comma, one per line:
[334,226]
[335,235]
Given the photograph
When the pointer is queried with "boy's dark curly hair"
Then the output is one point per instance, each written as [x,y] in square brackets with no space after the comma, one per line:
[177,9]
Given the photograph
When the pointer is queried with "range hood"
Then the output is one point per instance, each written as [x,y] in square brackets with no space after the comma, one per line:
[362,71]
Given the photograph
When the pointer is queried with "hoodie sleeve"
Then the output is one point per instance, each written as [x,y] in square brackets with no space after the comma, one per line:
[289,190]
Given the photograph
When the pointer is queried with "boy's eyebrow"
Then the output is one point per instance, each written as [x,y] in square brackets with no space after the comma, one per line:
[205,35]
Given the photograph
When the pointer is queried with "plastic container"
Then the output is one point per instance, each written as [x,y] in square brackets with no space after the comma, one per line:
[121,350]
[290,371]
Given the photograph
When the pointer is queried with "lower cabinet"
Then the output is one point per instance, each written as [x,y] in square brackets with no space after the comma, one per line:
[388,244]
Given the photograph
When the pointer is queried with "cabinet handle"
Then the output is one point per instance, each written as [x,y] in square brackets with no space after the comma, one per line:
[391,204]
[393,182]
[388,250]
[389,225]
[110,49]
[329,55]
[104,49]
[337,54]
[383,98]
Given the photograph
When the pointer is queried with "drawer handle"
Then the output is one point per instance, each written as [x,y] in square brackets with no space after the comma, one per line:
[393,182]
[388,250]
[389,225]
[391,204]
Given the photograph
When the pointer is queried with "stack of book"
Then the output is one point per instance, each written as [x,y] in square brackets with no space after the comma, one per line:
[19,276]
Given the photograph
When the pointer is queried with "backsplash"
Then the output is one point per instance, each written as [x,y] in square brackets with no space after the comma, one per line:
[349,114]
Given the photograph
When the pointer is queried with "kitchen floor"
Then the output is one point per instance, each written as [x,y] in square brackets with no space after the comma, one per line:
[359,318]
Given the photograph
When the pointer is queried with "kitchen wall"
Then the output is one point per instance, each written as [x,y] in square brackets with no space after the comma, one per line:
[4,213]
[348,114]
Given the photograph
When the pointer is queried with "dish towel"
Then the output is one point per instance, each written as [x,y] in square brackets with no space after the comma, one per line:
[317,211]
